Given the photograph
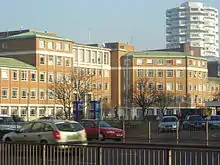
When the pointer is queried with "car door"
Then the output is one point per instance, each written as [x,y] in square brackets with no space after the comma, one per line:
[22,133]
[90,129]
[37,132]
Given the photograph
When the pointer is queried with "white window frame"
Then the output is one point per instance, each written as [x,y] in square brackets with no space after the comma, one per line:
[12,90]
[35,91]
[6,72]
[61,61]
[49,74]
[59,46]
[25,78]
[12,75]
[44,74]
[42,43]
[43,57]
[67,59]
[50,45]
[50,62]
[4,96]
[67,47]
[34,73]
[42,97]
[23,90]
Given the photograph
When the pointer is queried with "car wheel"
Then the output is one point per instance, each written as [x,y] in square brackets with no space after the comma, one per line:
[101,137]
[8,140]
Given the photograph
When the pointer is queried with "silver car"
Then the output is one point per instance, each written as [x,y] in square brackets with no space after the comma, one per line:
[49,132]
[168,123]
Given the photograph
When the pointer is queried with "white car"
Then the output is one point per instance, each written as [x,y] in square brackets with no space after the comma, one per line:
[168,123]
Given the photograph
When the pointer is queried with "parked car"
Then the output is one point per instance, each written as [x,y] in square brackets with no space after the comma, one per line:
[213,121]
[7,124]
[168,123]
[49,132]
[194,121]
[102,130]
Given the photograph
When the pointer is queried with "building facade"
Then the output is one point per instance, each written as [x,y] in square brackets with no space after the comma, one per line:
[50,58]
[183,75]
[194,23]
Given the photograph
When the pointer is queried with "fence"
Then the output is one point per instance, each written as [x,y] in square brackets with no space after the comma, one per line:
[148,131]
[108,154]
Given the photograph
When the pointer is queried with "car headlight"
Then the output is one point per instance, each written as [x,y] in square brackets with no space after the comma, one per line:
[174,126]
[110,132]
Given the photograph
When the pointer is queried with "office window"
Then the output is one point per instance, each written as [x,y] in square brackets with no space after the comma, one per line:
[106,86]
[179,73]
[59,76]
[150,85]
[42,94]
[24,75]
[4,93]
[14,93]
[105,58]
[149,61]
[14,75]
[33,76]
[179,86]
[67,61]
[59,60]
[160,73]
[50,77]
[42,59]
[67,47]
[179,62]
[139,61]
[140,73]
[51,45]
[58,45]
[169,62]
[169,86]
[160,62]
[160,86]
[42,44]
[169,73]
[150,73]
[42,76]
[24,93]
[33,93]
[51,95]
[4,74]
[50,60]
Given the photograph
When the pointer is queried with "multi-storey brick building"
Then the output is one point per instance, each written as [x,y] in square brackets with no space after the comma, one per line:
[182,74]
[48,58]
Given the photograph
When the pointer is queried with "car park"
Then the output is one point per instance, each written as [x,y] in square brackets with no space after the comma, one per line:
[194,122]
[168,123]
[213,121]
[7,124]
[49,132]
[102,130]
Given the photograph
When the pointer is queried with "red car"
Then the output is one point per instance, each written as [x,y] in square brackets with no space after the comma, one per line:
[102,130]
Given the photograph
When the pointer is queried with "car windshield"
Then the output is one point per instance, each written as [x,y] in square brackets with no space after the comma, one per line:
[169,119]
[103,124]
[69,127]
[6,120]
[196,118]
[215,118]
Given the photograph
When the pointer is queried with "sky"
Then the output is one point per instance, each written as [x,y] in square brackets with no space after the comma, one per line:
[138,22]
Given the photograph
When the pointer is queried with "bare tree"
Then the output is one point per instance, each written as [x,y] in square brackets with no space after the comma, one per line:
[143,94]
[71,87]
[164,100]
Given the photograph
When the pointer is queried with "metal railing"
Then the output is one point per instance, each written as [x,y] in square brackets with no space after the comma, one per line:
[108,154]
[148,131]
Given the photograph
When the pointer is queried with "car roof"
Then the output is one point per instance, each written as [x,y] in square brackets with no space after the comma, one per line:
[5,116]
[169,117]
[54,121]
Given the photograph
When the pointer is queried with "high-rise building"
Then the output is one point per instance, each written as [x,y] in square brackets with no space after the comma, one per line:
[194,23]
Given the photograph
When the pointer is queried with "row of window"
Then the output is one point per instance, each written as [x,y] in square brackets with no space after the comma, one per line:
[58,60]
[89,56]
[180,86]
[169,73]
[32,94]
[171,62]
[51,75]
[54,45]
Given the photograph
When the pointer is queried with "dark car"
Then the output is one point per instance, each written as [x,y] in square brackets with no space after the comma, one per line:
[194,121]
[102,130]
